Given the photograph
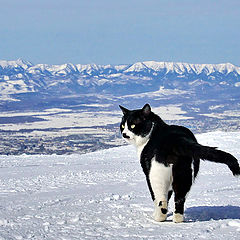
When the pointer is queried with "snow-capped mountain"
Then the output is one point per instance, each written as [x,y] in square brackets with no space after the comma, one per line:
[17,77]
[204,96]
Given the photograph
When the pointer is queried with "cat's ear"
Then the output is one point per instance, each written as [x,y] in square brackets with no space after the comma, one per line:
[124,110]
[146,110]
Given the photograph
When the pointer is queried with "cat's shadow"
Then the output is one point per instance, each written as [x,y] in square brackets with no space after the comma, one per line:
[206,213]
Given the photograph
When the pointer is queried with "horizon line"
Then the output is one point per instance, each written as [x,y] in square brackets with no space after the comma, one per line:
[128,64]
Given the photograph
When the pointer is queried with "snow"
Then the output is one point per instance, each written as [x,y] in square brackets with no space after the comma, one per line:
[181,68]
[171,112]
[44,77]
[16,63]
[68,68]
[227,113]
[103,195]
[62,118]
[14,87]
[136,67]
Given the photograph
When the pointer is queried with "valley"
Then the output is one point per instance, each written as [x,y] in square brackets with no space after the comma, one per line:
[67,131]
[66,109]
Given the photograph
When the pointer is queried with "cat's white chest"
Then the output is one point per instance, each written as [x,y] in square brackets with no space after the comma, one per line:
[140,146]
[141,142]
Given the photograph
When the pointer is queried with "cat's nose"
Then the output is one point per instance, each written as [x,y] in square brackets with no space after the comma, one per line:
[125,135]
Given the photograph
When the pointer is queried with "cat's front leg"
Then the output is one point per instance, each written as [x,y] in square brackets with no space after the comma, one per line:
[160,177]
[160,206]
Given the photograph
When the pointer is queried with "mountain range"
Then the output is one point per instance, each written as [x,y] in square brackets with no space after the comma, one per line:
[23,77]
[74,108]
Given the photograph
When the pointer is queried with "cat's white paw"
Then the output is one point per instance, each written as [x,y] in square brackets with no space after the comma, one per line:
[160,211]
[178,218]
[159,216]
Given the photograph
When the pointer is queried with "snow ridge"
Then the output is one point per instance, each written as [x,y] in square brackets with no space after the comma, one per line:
[177,67]
[21,76]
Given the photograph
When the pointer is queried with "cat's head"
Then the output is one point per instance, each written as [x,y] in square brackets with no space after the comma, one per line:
[136,125]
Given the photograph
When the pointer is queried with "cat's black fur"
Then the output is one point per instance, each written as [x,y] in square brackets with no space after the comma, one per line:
[170,146]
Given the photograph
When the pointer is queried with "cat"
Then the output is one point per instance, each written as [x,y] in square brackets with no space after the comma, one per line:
[170,158]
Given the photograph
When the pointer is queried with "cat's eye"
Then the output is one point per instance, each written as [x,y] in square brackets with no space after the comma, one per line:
[123,126]
[133,126]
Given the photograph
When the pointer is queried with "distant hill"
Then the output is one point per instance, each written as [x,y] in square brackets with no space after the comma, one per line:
[18,77]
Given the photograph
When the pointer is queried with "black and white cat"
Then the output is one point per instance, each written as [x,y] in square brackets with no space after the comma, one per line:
[170,157]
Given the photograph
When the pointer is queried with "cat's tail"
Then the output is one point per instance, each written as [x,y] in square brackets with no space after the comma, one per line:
[212,154]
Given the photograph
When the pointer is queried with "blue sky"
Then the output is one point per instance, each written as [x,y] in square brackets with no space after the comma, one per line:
[122,31]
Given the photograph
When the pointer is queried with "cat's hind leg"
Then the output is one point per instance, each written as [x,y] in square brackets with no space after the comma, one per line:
[182,182]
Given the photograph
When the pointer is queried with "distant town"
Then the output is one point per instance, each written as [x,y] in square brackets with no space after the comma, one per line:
[16,144]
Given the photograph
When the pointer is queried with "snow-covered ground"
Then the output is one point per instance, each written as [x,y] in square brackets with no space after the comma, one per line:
[103,195]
